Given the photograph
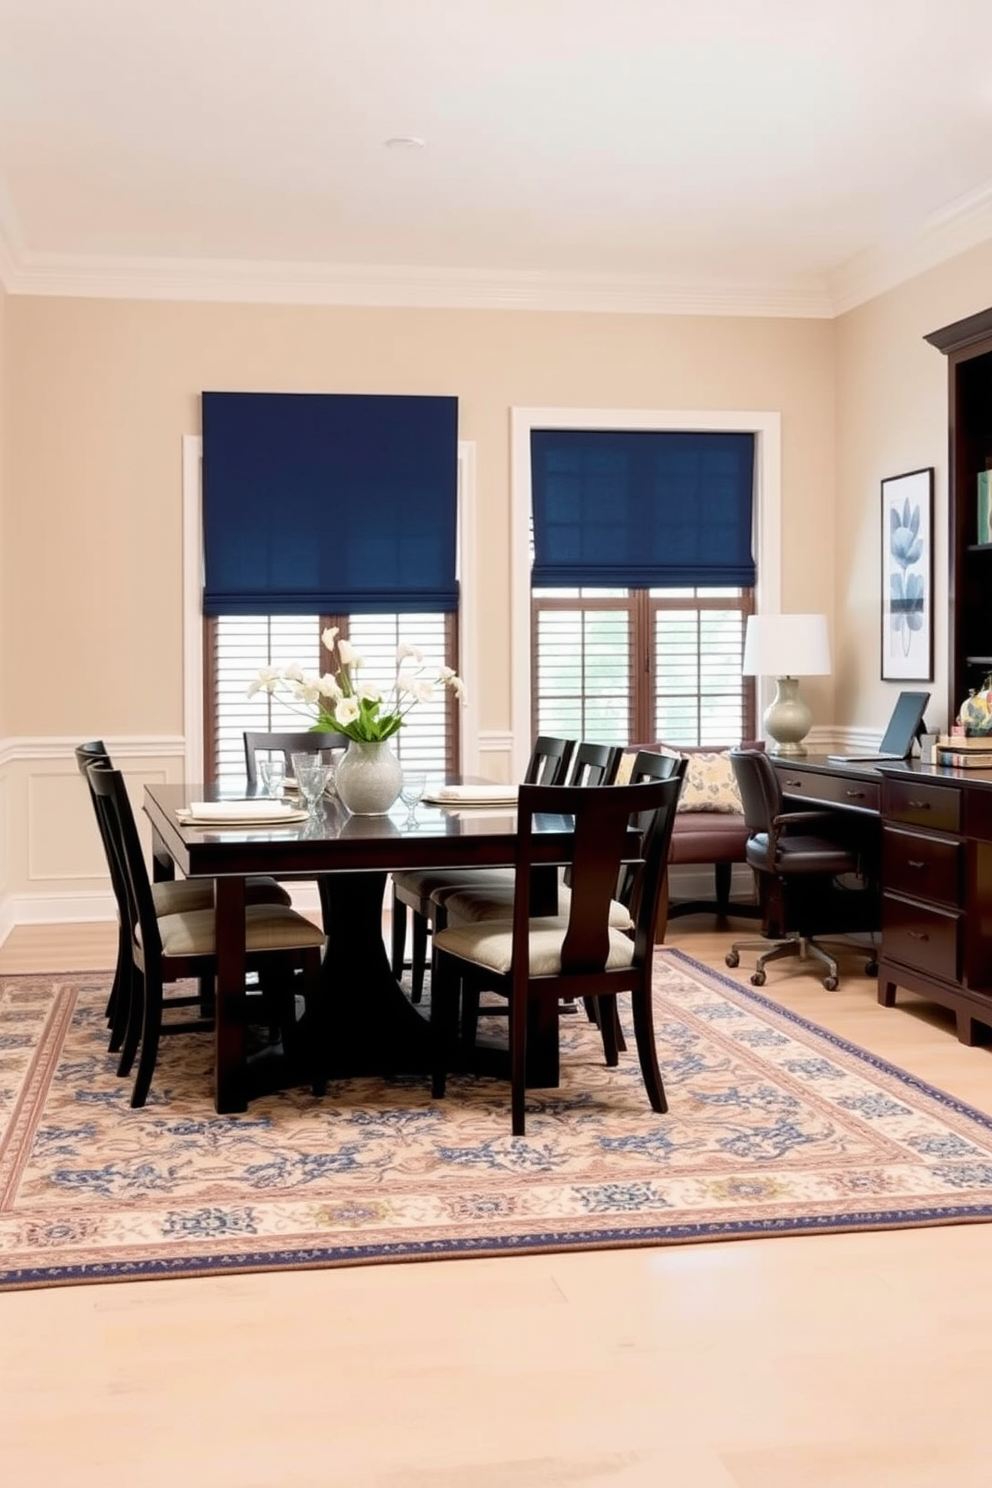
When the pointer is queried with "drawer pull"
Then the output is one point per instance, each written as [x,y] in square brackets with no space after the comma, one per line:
[915,863]
[855,795]
[919,805]
[794,784]
[918,935]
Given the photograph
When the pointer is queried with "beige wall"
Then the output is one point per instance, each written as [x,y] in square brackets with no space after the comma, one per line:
[892,417]
[104,390]
[4,596]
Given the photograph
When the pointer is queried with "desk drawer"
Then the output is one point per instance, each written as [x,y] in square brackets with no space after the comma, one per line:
[923,867]
[926,940]
[834,790]
[934,806]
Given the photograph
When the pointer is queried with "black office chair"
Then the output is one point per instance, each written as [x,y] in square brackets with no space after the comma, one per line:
[795,860]
[549,764]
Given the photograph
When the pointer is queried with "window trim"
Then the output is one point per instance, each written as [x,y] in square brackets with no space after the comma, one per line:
[193,666]
[767,429]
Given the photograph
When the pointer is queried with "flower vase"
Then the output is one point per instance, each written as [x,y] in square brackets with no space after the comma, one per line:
[369,778]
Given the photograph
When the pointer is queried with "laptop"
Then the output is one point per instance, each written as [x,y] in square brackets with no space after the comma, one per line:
[905,726]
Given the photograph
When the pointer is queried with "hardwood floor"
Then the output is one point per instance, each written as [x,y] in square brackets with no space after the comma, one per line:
[818,1362]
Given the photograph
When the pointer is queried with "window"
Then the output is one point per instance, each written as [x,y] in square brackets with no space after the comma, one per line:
[326,509]
[657,654]
[236,646]
[637,665]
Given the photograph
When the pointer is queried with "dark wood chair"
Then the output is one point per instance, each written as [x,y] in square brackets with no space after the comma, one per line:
[304,741]
[174,896]
[575,956]
[412,890]
[164,949]
[795,855]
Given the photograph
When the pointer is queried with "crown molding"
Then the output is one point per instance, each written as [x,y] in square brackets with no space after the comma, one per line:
[956,227]
[395,285]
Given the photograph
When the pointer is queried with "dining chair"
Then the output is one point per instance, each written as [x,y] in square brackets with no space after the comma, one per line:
[164,949]
[574,955]
[470,905]
[302,741]
[413,888]
[173,896]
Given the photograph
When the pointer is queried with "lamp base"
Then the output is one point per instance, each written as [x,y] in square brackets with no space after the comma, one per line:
[787,719]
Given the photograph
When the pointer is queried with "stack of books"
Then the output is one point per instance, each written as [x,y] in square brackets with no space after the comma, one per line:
[967,751]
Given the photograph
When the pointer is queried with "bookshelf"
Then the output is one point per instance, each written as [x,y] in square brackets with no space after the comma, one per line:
[967,344]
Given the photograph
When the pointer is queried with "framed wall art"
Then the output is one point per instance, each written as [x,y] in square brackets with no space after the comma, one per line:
[907,577]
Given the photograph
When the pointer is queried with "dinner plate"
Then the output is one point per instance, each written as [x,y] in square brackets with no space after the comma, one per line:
[455,795]
[277,817]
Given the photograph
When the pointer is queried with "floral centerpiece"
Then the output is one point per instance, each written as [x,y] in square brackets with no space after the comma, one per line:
[339,702]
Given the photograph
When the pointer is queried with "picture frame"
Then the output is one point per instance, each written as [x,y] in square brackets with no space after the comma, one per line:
[907,577]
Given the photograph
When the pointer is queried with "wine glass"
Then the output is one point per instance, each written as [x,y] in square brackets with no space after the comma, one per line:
[272,775]
[311,777]
[411,791]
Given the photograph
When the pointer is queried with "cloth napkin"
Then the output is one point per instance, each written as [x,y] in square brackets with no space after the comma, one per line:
[475,795]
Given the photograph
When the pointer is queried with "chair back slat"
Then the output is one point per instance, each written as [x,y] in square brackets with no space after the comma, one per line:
[549,761]
[309,741]
[594,764]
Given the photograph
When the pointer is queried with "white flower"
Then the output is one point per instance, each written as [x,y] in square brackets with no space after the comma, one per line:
[347,710]
[294,672]
[368,694]
[266,681]
[307,690]
[422,690]
[329,636]
[458,688]
[349,656]
[328,686]
[404,650]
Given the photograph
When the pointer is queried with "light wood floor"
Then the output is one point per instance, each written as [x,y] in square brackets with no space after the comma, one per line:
[819,1362]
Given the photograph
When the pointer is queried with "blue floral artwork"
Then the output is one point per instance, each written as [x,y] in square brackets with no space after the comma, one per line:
[907,576]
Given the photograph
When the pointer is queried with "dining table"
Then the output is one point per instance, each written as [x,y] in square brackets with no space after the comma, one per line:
[373,1027]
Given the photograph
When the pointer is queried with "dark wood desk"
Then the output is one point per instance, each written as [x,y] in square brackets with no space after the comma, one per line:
[935,874]
[376,1030]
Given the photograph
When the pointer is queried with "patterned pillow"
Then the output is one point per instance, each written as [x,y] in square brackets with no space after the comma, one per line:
[627,762]
[710,785]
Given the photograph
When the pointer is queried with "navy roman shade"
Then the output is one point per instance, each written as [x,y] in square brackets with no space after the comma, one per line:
[327,503]
[641,510]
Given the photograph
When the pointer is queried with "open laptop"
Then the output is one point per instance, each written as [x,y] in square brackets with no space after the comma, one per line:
[905,726]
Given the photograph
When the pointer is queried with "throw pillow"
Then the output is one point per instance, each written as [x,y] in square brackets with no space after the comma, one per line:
[710,785]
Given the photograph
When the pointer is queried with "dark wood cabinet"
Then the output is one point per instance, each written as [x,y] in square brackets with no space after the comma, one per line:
[967,344]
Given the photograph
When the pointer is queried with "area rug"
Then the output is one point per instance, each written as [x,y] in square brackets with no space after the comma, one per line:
[776,1127]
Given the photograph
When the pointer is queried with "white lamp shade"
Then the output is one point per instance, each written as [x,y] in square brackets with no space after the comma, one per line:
[786,646]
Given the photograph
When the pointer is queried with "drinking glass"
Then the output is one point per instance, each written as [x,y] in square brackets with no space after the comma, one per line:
[311,777]
[272,774]
[411,791]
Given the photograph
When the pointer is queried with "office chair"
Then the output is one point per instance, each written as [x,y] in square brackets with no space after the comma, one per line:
[795,865]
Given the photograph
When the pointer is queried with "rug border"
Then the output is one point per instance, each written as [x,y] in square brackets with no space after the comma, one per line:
[540,1242]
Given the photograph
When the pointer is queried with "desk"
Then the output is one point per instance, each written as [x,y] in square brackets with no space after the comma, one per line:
[376,1030]
[935,874]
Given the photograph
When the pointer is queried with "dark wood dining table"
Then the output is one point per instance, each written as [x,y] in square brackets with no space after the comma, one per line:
[375,1029]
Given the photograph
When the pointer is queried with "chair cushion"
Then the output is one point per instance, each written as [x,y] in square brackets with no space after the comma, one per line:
[183,895]
[469,906]
[708,837]
[800,854]
[490,945]
[268,927]
[424,882]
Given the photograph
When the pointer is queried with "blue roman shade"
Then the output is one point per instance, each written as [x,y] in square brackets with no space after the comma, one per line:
[641,510]
[326,503]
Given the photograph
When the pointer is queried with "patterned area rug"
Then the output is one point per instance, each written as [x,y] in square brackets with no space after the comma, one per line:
[776,1127]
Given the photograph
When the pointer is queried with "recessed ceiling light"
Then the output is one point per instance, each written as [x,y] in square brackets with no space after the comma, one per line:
[405,142]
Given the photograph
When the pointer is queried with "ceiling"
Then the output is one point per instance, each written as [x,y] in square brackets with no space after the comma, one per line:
[753,156]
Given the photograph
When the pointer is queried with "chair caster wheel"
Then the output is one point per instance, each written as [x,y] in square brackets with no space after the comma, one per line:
[871,968]
[732,958]
[830,983]
[758,979]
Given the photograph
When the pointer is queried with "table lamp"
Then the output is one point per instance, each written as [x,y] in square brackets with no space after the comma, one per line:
[787,647]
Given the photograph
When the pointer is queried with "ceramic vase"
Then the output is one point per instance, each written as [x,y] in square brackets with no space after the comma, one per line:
[369,778]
